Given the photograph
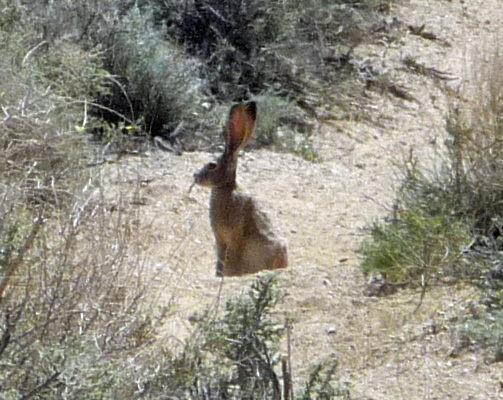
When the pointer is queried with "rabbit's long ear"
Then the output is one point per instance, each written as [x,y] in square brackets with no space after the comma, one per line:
[240,126]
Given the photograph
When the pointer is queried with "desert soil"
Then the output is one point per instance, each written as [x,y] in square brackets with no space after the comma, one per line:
[386,351]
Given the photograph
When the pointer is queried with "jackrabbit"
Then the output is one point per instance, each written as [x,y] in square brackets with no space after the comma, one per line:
[245,240]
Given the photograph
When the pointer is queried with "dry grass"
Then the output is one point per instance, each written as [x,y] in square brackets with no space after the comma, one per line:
[72,275]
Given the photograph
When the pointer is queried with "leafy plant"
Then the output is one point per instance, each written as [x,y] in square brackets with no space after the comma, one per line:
[236,355]
[157,81]
[320,385]
[233,356]
[486,332]
[423,240]
[449,223]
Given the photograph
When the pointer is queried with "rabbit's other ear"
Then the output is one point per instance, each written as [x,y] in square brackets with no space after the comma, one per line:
[240,126]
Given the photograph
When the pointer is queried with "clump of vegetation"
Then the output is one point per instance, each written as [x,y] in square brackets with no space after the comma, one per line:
[227,37]
[320,385]
[233,356]
[417,247]
[72,300]
[172,64]
[485,332]
[254,46]
[448,224]
[157,85]
[237,355]
[73,305]
[424,238]
[44,95]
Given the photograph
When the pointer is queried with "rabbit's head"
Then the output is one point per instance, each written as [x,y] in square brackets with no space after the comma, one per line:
[222,172]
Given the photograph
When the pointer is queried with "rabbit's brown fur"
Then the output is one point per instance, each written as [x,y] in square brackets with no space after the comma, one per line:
[245,240]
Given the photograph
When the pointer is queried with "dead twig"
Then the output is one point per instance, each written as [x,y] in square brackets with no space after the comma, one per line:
[421,69]
[14,265]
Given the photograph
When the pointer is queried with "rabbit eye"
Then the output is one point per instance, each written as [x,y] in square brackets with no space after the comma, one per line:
[212,166]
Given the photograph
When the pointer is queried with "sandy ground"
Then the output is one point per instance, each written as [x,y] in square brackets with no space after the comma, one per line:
[385,350]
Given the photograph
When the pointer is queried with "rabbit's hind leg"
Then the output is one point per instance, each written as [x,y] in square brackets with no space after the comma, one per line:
[232,262]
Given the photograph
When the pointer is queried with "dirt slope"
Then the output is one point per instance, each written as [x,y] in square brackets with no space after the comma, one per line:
[385,351]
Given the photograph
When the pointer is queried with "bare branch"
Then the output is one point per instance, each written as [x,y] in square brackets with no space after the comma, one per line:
[12,267]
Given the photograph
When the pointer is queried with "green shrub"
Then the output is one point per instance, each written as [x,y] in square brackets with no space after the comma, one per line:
[232,356]
[153,84]
[438,215]
[415,248]
[159,86]
[485,332]
[450,223]
[424,238]
[236,355]
[320,385]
